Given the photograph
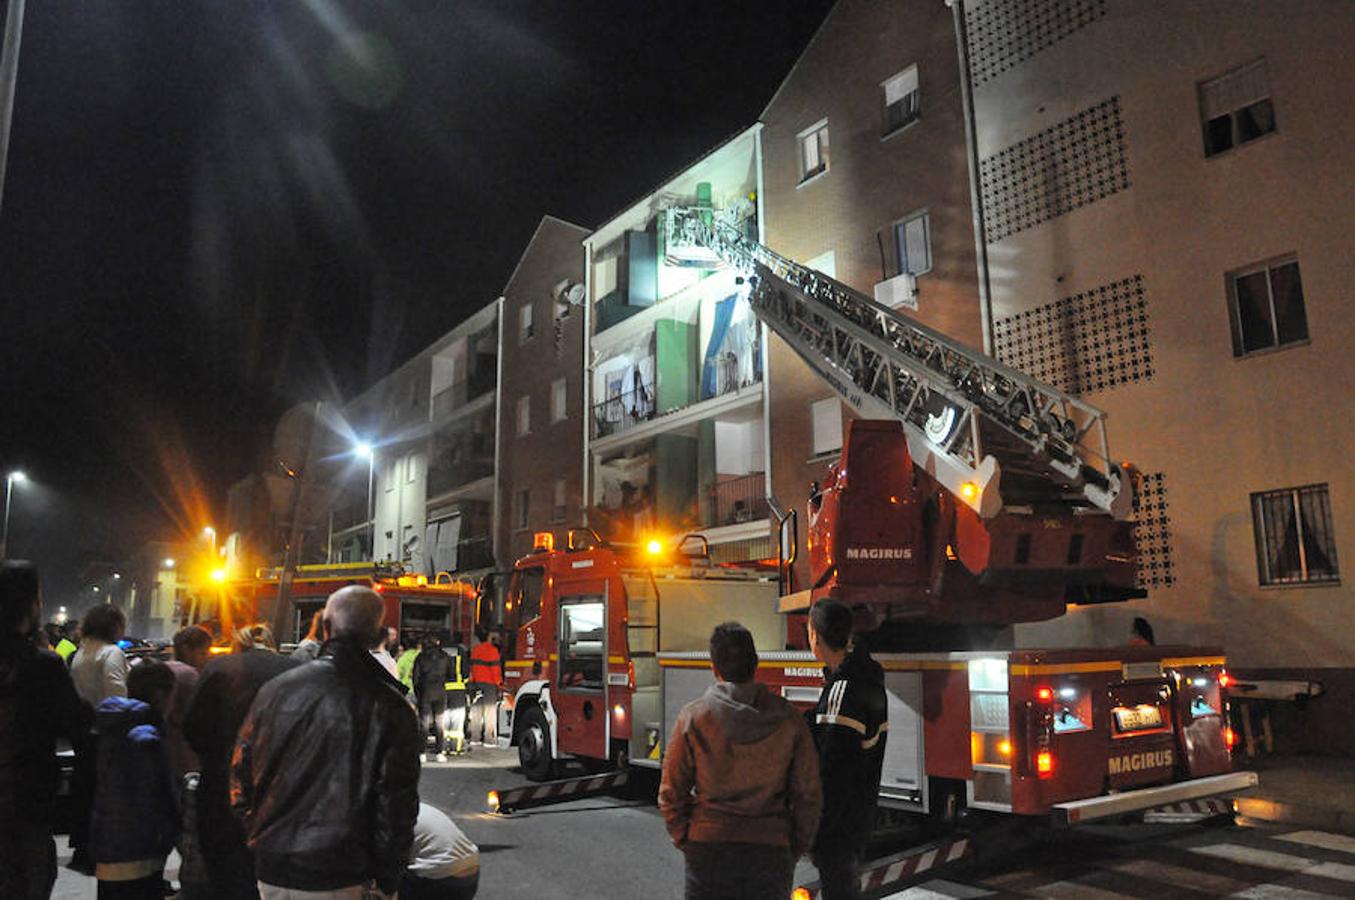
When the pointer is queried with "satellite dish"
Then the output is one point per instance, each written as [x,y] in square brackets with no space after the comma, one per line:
[566,291]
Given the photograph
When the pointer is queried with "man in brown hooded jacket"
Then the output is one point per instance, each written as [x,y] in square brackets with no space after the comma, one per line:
[740,791]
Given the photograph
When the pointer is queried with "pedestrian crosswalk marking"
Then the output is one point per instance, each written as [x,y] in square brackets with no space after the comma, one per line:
[1323,839]
[1251,856]
[940,889]
[1277,892]
[1154,870]
[1332,870]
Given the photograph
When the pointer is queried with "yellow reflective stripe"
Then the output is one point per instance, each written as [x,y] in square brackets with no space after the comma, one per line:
[913,665]
[845,721]
[1173,662]
[520,663]
[1066,668]
[616,660]
[685,663]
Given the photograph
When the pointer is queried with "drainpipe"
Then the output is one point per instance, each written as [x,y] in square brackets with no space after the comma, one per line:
[765,344]
[495,513]
[586,381]
[972,158]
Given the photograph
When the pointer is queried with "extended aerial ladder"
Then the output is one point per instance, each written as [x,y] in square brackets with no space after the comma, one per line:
[992,436]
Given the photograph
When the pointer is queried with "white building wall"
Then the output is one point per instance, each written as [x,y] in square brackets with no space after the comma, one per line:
[1215,428]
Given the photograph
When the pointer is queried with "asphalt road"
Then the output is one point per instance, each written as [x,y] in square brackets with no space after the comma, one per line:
[615,848]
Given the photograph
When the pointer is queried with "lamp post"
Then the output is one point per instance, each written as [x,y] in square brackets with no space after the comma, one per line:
[13,478]
[366,450]
[210,534]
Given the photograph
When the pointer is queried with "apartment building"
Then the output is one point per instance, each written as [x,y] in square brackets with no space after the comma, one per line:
[677,400]
[865,179]
[541,390]
[1166,200]
[423,438]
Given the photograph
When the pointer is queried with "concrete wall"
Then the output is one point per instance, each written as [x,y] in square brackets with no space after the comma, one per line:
[1214,428]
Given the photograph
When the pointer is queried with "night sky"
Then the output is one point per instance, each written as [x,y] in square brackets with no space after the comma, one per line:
[215,210]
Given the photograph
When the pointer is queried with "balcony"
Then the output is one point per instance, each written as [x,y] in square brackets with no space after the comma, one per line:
[461,393]
[739,500]
[453,470]
[623,412]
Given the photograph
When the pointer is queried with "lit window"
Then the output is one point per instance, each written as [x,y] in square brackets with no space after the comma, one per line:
[826,419]
[814,150]
[525,324]
[557,513]
[411,469]
[524,415]
[524,508]
[1236,108]
[1265,303]
[906,245]
[558,400]
[1294,540]
[902,100]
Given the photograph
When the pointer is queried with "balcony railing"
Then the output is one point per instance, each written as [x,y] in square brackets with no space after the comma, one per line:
[459,393]
[623,412]
[446,476]
[739,500]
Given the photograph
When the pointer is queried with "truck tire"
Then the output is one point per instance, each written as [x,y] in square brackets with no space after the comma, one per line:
[534,746]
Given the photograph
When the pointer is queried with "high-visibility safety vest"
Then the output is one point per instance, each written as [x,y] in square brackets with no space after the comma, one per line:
[458,682]
[484,664]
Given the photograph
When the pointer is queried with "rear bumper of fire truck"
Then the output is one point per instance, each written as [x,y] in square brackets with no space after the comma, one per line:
[1078,811]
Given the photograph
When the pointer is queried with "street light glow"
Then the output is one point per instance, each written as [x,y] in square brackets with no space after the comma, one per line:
[116,576]
[218,575]
[17,477]
[363,449]
[209,531]
[169,562]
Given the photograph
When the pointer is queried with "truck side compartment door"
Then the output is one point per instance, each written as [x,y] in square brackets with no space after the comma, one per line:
[579,692]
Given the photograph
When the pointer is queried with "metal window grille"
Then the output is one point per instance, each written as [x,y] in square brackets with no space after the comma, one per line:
[1295,543]
[902,100]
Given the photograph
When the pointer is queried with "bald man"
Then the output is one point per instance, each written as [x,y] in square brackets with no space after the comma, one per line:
[325,776]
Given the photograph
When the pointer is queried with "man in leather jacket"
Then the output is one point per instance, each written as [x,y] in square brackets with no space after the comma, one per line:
[325,776]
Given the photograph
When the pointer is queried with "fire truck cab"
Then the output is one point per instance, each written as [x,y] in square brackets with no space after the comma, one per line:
[587,627]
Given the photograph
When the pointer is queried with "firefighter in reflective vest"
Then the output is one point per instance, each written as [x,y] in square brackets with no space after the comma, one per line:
[455,730]
[486,676]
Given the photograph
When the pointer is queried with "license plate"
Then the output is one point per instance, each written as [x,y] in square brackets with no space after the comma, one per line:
[1139,718]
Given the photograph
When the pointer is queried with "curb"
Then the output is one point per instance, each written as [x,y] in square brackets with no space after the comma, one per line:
[1280,813]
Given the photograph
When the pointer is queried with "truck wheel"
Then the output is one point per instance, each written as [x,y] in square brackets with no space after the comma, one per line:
[534,746]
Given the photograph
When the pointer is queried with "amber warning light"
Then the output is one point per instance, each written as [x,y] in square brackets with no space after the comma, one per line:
[544,540]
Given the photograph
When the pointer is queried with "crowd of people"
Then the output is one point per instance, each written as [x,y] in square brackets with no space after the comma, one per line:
[274,776]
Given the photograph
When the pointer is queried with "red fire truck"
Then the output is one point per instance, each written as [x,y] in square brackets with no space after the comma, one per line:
[413,603]
[978,498]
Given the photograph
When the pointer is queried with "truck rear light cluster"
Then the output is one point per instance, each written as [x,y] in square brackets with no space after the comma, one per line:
[1042,733]
[1229,738]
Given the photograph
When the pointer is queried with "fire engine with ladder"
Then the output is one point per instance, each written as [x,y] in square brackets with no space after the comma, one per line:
[969,497]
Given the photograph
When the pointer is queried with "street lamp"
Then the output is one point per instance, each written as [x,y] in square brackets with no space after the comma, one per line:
[169,562]
[13,478]
[210,534]
[364,450]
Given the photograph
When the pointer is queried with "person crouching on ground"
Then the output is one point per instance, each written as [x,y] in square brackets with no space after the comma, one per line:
[740,790]
[135,820]
[445,864]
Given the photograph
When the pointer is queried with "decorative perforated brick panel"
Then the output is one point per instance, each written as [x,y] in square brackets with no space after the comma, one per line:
[1006,33]
[1152,532]
[1092,341]
[1068,165]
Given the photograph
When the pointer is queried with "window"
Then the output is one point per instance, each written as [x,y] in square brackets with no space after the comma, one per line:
[582,643]
[1294,542]
[524,506]
[525,324]
[525,592]
[557,512]
[1236,108]
[906,245]
[813,150]
[524,415]
[559,407]
[1265,304]
[388,479]
[826,416]
[411,469]
[902,100]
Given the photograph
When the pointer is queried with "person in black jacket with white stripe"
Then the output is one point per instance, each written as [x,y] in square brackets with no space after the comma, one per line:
[850,725]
